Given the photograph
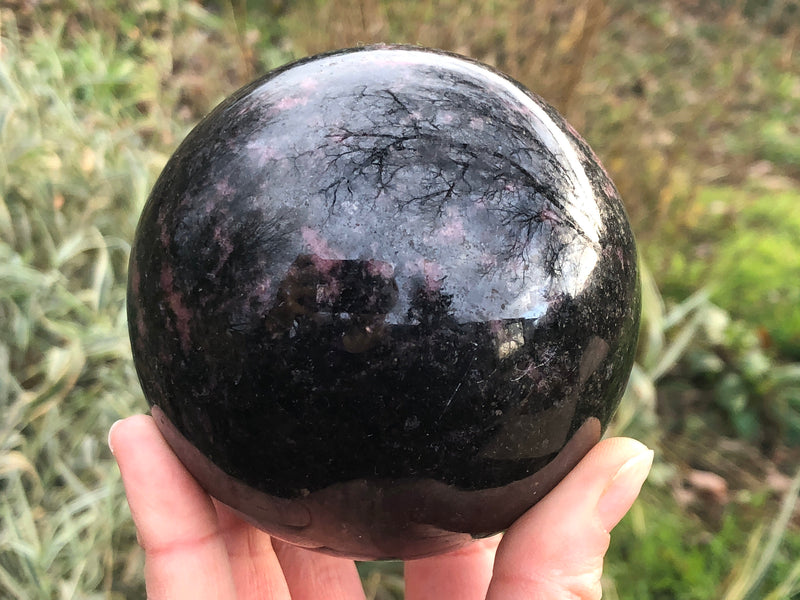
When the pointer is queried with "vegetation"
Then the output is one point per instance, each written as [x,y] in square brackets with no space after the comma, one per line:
[694,108]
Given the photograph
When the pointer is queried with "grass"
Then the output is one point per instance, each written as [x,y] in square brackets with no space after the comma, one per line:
[694,109]
[744,245]
[659,554]
[65,215]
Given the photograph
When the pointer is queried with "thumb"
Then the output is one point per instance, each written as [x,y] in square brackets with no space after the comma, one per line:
[556,549]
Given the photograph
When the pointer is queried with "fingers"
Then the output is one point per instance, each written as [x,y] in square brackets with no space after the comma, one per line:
[312,575]
[556,549]
[176,521]
[196,548]
[463,574]
[256,571]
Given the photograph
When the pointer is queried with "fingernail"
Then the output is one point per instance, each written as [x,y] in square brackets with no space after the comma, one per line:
[110,447]
[623,489]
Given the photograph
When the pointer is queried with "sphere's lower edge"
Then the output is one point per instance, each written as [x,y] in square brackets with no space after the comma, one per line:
[381,520]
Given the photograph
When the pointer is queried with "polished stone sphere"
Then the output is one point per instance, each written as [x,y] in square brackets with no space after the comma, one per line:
[382,300]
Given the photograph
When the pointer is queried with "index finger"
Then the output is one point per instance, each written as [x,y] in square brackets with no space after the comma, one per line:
[185,554]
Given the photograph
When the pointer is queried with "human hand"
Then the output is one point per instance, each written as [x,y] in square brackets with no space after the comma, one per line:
[198,549]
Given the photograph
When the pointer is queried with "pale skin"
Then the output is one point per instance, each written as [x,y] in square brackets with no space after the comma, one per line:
[196,548]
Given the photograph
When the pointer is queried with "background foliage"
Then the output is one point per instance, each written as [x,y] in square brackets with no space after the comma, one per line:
[694,107]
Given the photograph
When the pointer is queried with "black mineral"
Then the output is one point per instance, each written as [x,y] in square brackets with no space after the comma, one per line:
[382,300]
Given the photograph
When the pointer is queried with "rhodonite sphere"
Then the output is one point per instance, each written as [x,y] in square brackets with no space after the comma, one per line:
[382,300]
